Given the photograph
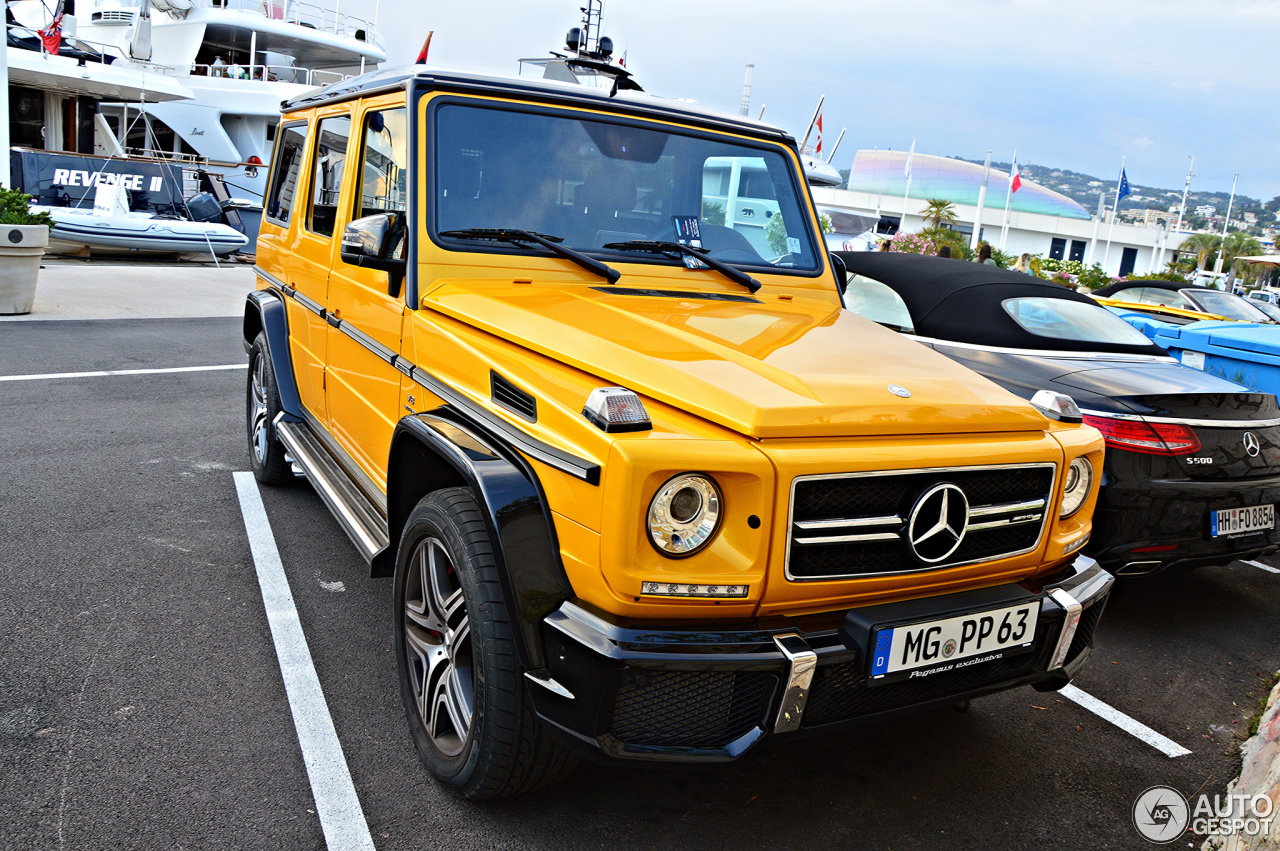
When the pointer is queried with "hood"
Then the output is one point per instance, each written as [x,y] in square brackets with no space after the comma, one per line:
[765,367]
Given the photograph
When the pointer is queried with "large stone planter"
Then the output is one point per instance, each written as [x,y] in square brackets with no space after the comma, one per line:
[21,247]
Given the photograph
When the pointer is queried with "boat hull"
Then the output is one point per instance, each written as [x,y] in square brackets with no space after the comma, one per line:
[137,233]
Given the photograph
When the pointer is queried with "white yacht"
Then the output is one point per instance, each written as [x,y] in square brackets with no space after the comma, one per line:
[235,60]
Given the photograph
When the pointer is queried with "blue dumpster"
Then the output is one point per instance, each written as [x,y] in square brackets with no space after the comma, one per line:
[1242,352]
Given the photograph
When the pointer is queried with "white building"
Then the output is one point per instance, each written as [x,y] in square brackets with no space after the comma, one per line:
[1040,221]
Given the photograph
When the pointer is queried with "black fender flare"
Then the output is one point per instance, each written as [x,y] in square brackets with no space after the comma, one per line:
[264,312]
[445,448]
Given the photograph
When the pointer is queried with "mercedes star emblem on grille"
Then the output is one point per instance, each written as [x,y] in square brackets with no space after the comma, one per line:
[938,522]
[1251,445]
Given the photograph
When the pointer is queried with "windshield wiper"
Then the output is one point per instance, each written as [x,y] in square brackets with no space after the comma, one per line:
[551,243]
[681,250]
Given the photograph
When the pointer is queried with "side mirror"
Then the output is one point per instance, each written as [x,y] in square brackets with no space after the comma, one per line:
[369,242]
[842,272]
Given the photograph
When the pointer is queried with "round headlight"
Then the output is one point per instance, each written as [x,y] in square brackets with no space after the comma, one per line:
[1076,487]
[684,514]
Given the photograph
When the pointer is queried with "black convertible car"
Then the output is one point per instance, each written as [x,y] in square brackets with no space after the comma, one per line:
[1192,473]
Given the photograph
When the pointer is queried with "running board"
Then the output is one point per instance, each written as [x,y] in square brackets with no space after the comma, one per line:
[356,514]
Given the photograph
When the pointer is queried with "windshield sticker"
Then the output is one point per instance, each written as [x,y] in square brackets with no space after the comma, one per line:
[793,245]
[688,230]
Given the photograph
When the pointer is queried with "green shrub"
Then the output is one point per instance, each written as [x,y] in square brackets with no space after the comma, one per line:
[15,209]
[1094,278]
[945,236]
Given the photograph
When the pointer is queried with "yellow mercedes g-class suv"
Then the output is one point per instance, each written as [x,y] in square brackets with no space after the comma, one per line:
[570,366]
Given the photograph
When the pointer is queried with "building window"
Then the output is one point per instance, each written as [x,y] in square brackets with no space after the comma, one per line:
[1077,250]
[1057,248]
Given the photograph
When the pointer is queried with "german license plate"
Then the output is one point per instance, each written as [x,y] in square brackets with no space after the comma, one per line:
[1238,521]
[931,647]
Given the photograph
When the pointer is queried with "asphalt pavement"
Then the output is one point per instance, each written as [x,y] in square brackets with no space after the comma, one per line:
[142,704]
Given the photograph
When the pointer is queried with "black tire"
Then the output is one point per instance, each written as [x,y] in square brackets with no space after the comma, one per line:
[262,404]
[457,661]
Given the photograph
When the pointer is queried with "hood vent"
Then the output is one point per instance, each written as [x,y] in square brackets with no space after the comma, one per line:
[507,395]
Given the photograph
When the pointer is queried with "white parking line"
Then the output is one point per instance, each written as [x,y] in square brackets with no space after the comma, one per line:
[1166,746]
[100,374]
[341,816]
[1268,568]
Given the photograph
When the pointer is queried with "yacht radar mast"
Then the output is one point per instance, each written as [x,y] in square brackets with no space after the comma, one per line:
[589,60]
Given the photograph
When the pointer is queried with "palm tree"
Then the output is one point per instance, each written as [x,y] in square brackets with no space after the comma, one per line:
[1239,244]
[1202,246]
[938,212]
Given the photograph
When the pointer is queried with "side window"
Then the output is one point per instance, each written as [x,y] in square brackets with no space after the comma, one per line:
[384,164]
[326,177]
[284,173]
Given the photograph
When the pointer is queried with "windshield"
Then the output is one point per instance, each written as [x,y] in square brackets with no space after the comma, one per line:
[591,183]
[1060,319]
[877,302]
[1270,309]
[1228,305]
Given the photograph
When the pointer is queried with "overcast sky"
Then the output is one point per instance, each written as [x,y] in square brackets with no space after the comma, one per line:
[1074,83]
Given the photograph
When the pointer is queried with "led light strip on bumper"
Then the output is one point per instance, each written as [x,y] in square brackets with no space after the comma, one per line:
[677,589]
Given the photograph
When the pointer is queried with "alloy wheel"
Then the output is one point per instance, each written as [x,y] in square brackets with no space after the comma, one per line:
[438,647]
[259,419]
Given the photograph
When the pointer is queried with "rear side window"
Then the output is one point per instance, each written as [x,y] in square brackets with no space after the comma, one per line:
[326,178]
[877,302]
[284,173]
[1059,319]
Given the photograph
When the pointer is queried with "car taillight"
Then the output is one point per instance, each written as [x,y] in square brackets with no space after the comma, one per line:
[1151,438]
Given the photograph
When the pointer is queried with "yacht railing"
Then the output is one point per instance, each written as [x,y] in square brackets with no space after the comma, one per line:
[268,73]
[312,15]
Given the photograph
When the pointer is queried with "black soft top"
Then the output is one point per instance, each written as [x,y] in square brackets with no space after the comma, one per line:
[963,302]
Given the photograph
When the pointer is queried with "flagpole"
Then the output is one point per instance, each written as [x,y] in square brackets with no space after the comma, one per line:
[903,223]
[1222,249]
[1008,196]
[1186,187]
[982,200]
[1115,211]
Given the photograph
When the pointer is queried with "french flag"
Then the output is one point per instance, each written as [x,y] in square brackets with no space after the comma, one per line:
[1015,182]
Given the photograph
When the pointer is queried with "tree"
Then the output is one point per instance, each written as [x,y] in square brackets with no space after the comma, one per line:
[938,212]
[1202,246]
[1239,244]
[942,236]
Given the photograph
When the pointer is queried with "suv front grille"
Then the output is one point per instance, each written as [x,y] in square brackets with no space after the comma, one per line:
[857,524]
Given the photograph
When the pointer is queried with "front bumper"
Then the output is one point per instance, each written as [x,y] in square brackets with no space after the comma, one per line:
[682,694]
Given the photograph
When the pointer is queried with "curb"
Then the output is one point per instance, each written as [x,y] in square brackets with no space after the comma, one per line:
[1259,774]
